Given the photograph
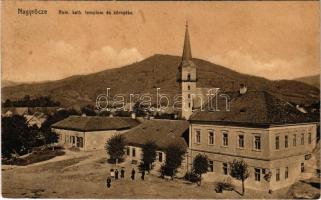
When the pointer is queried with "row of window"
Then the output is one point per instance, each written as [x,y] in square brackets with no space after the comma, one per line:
[258,172]
[256,140]
[277,173]
[294,140]
[77,141]
[225,139]
[211,167]
[132,153]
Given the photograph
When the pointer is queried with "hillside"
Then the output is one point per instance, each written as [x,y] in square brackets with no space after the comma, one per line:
[158,71]
[7,83]
[311,80]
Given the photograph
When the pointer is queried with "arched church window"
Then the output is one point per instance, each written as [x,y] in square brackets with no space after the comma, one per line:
[189,87]
[189,96]
[189,105]
[188,77]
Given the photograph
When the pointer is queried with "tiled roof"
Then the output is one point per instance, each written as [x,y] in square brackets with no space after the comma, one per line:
[252,108]
[162,132]
[94,123]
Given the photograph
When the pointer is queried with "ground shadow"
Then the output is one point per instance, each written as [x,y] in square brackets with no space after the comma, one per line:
[239,193]
[188,183]
[313,184]
[113,161]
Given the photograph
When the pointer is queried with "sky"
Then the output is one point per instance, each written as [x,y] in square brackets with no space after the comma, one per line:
[275,40]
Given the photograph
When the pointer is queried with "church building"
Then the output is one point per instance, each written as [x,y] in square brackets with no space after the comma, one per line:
[192,96]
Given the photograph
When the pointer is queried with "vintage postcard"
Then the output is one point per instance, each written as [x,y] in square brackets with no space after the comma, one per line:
[160,100]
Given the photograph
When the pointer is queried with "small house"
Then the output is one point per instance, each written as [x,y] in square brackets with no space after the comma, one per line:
[90,132]
[163,133]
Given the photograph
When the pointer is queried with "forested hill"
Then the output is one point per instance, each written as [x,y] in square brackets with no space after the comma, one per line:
[158,71]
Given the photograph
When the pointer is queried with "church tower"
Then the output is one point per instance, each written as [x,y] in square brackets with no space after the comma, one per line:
[187,77]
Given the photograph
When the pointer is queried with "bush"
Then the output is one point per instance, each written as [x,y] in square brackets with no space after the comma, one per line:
[166,171]
[192,177]
[226,184]
[36,156]
[73,148]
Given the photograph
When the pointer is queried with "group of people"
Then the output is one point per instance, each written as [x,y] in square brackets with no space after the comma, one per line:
[115,174]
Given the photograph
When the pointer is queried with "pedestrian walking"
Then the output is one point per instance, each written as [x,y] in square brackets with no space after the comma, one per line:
[133,174]
[143,174]
[122,173]
[108,182]
[116,174]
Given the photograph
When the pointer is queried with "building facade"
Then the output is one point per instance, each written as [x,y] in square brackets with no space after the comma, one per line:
[163,133]
[134,155]
[281,150]
[84,140]
[274,138]
[90,133]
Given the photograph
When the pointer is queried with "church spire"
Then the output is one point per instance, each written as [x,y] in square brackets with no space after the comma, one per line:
[187,52]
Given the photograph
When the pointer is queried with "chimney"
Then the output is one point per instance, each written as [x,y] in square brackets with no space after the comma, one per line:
[243,88]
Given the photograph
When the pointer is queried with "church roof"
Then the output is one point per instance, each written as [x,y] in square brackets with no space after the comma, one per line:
[187,51]
[95,123]
[254,108]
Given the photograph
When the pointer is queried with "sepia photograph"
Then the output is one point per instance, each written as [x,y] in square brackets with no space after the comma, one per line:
[160,100]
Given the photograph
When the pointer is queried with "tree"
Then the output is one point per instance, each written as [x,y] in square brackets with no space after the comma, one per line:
[140,109]
[149,155]
[56,117]
[45,130]
[89,110]
[239,170]
[50,137]
[72,111]
[26,101]
[16,136]
[115,147]
[174,158]
[122,113]
[104,113]
[200,165]
[7,103]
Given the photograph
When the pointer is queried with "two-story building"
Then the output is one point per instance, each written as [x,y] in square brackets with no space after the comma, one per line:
[269,134]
